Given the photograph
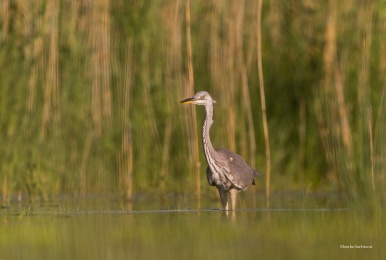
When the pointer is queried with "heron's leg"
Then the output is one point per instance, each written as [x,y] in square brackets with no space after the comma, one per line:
[224,198]
[233,195]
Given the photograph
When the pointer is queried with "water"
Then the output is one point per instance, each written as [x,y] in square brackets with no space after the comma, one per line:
[104,229]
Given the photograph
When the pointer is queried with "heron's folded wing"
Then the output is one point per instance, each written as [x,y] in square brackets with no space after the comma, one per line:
[236,170]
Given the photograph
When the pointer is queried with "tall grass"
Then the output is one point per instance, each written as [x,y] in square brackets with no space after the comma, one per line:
[89,94]
[346,103]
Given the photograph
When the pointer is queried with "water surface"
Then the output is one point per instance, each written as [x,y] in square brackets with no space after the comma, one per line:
[104,229]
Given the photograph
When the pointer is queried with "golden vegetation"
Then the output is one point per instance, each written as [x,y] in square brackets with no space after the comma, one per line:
[89,93]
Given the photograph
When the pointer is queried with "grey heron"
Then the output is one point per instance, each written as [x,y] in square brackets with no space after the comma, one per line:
[226,170]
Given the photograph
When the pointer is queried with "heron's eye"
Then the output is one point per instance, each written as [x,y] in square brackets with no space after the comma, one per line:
[202,97]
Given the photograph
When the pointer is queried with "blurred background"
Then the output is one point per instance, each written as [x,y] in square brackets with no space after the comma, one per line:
[90,91]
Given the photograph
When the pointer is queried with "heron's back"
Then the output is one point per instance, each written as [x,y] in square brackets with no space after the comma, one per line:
[240,173]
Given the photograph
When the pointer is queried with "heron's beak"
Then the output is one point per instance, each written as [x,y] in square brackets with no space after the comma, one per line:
[188,100]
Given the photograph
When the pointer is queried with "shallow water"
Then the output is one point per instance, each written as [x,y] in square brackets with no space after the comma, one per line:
[104,229]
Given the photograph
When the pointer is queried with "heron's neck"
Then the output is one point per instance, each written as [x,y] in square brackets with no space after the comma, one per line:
[207,144]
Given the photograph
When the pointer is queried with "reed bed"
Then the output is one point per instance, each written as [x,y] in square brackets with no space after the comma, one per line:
[90,90]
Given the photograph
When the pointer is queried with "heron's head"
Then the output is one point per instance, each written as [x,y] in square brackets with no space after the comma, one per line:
[200,98]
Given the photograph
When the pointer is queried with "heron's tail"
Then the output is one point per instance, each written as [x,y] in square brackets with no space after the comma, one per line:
[255,174]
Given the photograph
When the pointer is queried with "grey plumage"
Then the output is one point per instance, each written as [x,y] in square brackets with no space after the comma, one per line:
[240,175]
[226,170]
